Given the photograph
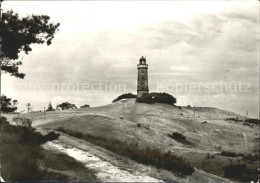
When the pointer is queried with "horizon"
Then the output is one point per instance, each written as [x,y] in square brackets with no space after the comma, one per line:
[205,54]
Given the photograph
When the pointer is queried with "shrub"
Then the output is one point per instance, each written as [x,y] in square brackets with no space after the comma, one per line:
[248,124]
[229,154]
[147,156]
[240,172]
[146,98]
[253,121]
[20,151]
[124,96]
[235,171]
[157,97]
[51,136]
[232,119]
[250,157]
[179,138]
[138,125]
[85,106]
[26,122]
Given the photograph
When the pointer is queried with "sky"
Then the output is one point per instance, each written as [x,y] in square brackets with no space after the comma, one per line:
[204,53]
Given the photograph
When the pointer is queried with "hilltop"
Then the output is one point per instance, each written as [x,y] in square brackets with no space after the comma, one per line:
[206,129]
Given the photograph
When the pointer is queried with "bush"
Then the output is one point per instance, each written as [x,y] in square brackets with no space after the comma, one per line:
[229,154]
[20,151]
[157,97]
[232,119]
[248,124]
[240,172]
[250,157]
[179,138]
[235,171]
[26,122]
[253,121]
[146,98]
[147,156]
[124,96]
[84,106]
[51,136]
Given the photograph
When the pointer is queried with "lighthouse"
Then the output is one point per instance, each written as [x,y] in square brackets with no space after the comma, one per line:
[142,77]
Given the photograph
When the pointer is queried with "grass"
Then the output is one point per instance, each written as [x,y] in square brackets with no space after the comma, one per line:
[20,151]
[179,138]
[251,157]
[241,170]
[62,166]
[245,157]
[154,157]
[23,158]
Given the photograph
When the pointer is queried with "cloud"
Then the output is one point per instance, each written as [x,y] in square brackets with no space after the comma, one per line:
[182,44]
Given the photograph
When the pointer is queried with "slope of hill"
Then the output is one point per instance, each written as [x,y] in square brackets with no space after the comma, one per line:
[206,130]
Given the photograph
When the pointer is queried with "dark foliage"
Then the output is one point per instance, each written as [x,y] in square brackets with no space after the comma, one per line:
[230,154]
[232,119]
[6,104]
[66,105]
[20,151]
[157,97]
[50,108]
[240,172]
[19,34]
[250,157]
[147,156]
[249,124]
[85,106]
[179,138]
[253,121]
[51,136]
[146,98]
[124,96]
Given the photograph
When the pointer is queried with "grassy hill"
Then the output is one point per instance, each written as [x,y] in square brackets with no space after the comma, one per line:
[150,125]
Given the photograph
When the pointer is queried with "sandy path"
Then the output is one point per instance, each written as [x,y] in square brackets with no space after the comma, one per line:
[106,171]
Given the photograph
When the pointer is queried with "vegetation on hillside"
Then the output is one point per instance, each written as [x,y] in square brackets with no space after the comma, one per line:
[253,121]
[240,172]
[151,98]
[50,108]
[85,106]
[124,96]
[8,105]
[154,157]
[20,151]
[179,138]
[67,105]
